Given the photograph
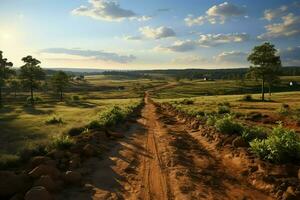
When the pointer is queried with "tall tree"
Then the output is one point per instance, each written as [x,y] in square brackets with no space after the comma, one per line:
[14,86]
[5,73]
[31,74]
[60,81]
[265,62]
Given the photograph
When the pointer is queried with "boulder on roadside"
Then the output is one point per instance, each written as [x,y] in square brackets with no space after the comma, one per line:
[38,193]
[11,183]
[88,150]
[38,160]
[47,182]
[239,142]
[44,170]
[72,177]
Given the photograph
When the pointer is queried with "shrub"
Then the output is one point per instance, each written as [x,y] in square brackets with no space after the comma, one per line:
[32,150]
[250,133]
[281,146]
[247,97]
[284,109]
[75,131]
[36,99]
[54,120]
[9,161]
[111,116]
[61,142]
[94,125]
[75,98]
[211,120]
[223,109]
[228,125]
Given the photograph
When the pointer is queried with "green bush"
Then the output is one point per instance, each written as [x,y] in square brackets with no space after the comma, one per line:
[247,97]
[249,133]
[223,109]
[211,120]
[9,161]
[54,120]
[111,116]
[281,146]
[75,131]
[228,125]
[36,99]
[61,142]
[284,109]
[75,98]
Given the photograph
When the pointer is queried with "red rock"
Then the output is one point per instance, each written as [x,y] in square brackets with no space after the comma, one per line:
[44,170]
[38,193]
[72,177]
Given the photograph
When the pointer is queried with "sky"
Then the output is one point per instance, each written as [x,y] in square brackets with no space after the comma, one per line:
[147,34]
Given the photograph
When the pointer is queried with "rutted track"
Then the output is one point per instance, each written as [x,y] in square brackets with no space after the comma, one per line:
[160,158]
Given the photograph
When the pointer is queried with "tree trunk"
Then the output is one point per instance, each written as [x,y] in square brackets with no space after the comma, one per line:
[1,97]
[263,89]
[31,94]
[61,95]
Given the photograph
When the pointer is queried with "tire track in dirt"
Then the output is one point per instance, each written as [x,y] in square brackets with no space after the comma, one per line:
[154,178]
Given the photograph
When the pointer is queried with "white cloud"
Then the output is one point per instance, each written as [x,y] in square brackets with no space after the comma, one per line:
[205,40]
[217,14]
[180,46]
[108,11]
[271,14]
[231,57]
[290,56]
[97,55]
[189,59]
[216,39]
[157,33]
[290,26]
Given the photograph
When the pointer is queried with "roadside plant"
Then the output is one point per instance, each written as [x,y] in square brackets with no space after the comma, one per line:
[61,142]
[252,133]
[281,146]
[228,125]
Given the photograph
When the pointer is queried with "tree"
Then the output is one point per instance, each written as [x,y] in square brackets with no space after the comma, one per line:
[5,73]
[271,80]
[265,63]
[31,74]
[14,86]
[60,81]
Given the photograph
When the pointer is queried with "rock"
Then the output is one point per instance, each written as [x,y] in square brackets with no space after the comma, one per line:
[47,182]
[290,194]
[72,177]
[229,140]
[239,142]
[74,163]
[88,150]
[38,160]
[299,174]
[44,170]
[56,154]
[38,193]
[11,183]
[17,197]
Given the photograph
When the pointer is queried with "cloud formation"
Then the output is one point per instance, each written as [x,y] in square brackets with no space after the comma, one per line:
[108,11]
[271,14]
[216,14]
[98,55]
[217,39]
[157,33]
[205,40]
[237,57]
[289,26]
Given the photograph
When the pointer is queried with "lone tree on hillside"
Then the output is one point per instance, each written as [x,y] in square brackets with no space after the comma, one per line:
[5,73]
[14,86]
[265,63]
[60,81]
[31,74]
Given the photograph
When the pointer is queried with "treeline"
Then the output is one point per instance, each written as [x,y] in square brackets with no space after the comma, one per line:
[193,74]
[30,77]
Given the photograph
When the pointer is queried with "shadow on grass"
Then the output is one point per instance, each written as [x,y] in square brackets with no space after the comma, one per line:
[34,111]
[81,104]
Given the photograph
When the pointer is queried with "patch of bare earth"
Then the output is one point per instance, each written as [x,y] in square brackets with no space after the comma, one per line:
[161,158]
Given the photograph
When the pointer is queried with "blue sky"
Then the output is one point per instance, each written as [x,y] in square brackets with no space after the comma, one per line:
[140,34]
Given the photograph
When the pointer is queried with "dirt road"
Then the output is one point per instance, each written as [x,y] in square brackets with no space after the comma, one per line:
[161,158]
